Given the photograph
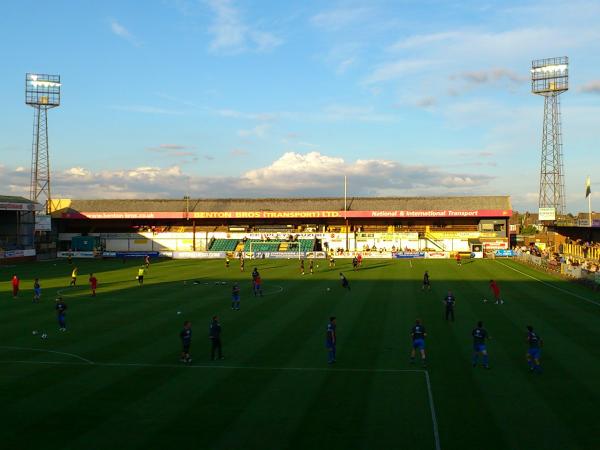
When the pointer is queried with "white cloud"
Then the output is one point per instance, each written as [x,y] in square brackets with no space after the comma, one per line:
[419,40]
[591,87]
[338,18]
[344,65]
[231,34]
[18,169]
[119,30]
[293,174]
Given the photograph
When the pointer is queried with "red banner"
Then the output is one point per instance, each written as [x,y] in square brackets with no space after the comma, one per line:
[7,206]
[481,213]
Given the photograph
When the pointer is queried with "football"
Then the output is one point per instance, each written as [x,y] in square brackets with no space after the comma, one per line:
[34,332]
[485,300]
[44,336]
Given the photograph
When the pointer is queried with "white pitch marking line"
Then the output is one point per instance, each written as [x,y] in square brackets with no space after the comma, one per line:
[550,285]
[436,435]
[47,351]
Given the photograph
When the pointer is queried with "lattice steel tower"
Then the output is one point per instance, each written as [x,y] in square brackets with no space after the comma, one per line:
[550,78]
[42,92]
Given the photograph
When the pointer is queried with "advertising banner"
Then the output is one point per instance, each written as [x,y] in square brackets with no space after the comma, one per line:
[547,214]
[8,206]
[408,255]
[437,255]
[495,245]
[43,222]
[76,254]
[504,253]
[129,254]
[16,253]
[288,214]
[199,255]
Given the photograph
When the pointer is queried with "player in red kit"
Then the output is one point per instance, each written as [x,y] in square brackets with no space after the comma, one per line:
[93,284]
[496,291]
[15,285]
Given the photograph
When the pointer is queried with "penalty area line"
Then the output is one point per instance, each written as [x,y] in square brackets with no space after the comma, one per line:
[73,355]
[550,285]
[432,410]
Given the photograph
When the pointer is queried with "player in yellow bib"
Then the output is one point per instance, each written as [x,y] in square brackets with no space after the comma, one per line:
[140,276]
[74,277]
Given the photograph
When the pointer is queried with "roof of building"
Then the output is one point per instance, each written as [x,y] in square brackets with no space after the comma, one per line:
[291,204]
[13,199]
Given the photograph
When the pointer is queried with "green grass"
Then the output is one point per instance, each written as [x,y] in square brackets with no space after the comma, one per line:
[138,396]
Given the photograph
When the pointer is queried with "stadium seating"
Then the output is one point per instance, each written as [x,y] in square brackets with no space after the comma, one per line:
[223,245]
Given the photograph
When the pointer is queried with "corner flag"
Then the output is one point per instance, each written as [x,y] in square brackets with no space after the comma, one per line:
[588,187]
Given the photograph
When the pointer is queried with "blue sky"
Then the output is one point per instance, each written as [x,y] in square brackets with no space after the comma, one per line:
[219,98]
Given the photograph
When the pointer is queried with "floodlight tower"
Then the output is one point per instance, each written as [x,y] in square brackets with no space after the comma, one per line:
[42,92]
[550,78]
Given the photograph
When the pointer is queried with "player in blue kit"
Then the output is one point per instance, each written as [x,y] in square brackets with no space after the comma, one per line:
[186,341]
[426,281]
[449,301]
[418,336]
[235,297]
[331,340]
[534,352]
[345,282]
[480,335]
[61,311]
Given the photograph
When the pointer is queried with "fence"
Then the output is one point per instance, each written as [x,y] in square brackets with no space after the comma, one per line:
[582,252]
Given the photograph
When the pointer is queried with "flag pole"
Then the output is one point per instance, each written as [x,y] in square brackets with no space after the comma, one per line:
[589,196]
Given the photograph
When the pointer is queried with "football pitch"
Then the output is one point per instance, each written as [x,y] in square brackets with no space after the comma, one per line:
[114,379]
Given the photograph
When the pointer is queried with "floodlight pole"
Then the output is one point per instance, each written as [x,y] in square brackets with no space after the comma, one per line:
[550,78]
[42,92]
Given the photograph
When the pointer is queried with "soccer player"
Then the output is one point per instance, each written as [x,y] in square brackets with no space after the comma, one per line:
[344,280]
[359,258]
[450,301]
[480,335]
[255,273]
[214,334]
[302,266]
[227,261]
[496,291]
[426,282]
[235,297]
[258,286]
[331,340]
[74,277]
[140,275]
[418,336]
[147,261]
[311,266]
[186,341]
[355,263]
[93,284]
[61,312]
[242,262]
[534,353]
[37,291]
[15,285]
[331,261]
[458,260]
